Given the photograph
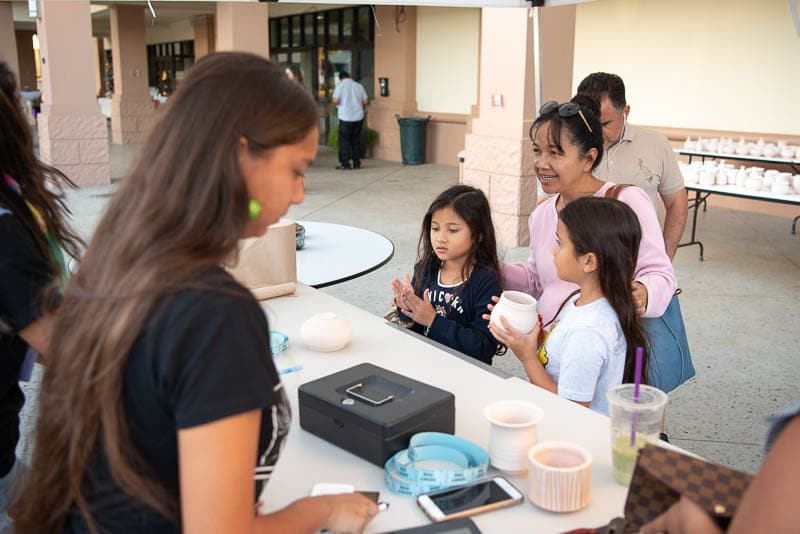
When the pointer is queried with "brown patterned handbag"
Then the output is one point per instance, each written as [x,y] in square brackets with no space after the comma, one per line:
[663,475]
[659,480]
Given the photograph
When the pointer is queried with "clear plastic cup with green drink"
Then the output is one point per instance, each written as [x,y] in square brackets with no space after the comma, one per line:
[633,424]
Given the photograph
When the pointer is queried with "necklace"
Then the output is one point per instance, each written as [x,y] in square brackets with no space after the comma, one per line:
[613,149]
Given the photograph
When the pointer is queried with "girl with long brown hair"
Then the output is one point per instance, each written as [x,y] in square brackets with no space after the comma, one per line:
[33,233]
[592,345]
[162,410]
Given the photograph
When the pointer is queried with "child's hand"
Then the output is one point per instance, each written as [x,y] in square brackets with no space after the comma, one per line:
[397,289]
[490,307]
[524,346]
[419,309]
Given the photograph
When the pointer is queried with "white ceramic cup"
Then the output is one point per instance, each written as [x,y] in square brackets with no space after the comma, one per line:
[325,332]
[559,476]
[518,308]
[512,433]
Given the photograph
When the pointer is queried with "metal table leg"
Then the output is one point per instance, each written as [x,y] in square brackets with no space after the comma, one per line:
[794,225]
[699,198]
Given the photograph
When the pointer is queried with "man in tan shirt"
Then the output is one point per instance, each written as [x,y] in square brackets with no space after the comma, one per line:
[638,156]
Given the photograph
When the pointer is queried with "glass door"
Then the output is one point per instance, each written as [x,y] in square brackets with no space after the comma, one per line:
[335,62]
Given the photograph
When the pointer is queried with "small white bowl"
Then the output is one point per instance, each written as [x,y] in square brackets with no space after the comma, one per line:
[326,332]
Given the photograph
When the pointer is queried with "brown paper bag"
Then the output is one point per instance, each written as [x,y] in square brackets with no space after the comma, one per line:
[267,265]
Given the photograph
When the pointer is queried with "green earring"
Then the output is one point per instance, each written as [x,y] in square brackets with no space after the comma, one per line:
[254,208]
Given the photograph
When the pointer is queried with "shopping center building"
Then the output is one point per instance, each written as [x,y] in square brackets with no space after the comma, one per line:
[691,68]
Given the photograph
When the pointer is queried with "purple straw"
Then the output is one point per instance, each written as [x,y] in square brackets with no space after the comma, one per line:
[637,381]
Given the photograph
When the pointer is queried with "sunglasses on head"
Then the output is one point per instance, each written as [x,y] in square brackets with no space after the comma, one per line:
[567,109]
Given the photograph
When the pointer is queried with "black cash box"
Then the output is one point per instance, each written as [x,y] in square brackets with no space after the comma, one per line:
[373,412]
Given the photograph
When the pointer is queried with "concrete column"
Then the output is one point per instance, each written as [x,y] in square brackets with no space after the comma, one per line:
[72,131]
[132,110]
[8,40]
[204,35]
[243,27]
[498,157]
[396,59]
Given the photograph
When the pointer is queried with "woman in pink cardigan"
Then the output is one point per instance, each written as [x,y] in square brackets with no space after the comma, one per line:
[568,145]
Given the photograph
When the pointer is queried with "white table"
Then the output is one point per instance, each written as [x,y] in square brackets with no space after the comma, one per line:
[702,192]
[307,459]
[335,253]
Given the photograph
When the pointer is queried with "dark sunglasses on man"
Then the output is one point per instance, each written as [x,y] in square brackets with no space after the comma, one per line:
[567,109]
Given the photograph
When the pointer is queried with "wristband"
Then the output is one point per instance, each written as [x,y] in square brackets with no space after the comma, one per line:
[404,477]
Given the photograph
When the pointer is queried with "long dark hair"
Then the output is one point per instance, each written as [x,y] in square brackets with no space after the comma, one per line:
[180,212]
[296,72]
[40,184]
[574,128]
[471,205]
[610,230]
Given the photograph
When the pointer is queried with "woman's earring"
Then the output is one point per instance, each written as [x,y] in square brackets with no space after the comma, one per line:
[254,208]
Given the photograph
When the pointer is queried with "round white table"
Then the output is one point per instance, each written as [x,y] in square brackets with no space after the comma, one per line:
[335,253]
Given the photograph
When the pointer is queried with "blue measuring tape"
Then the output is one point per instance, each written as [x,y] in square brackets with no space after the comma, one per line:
[403,477]
[278,342]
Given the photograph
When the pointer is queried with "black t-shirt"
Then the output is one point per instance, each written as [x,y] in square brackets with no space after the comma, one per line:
[203,356]
[23,276]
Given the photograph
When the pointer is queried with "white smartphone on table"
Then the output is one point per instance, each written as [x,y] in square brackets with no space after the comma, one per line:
[475,498]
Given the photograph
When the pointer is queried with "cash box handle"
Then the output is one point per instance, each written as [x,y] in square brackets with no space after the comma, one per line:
[375,402]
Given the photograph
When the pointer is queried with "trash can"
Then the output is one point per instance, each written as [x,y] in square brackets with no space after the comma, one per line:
[412,139]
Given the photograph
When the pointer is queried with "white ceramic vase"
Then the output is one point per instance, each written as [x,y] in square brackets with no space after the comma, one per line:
[512,433]
[741,176]
[325,332]
[518,308]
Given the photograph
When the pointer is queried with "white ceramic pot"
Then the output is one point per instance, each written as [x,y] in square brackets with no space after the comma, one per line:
[512,433]
[779,187]
[796,183]
[707,177]
[787,152]
[325,332]
[690,175]
[559,476]
[518,308]
[754,183]
[770,151]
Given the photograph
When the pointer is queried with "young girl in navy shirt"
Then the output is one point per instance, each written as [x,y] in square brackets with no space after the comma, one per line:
[592,344]
[456,274]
